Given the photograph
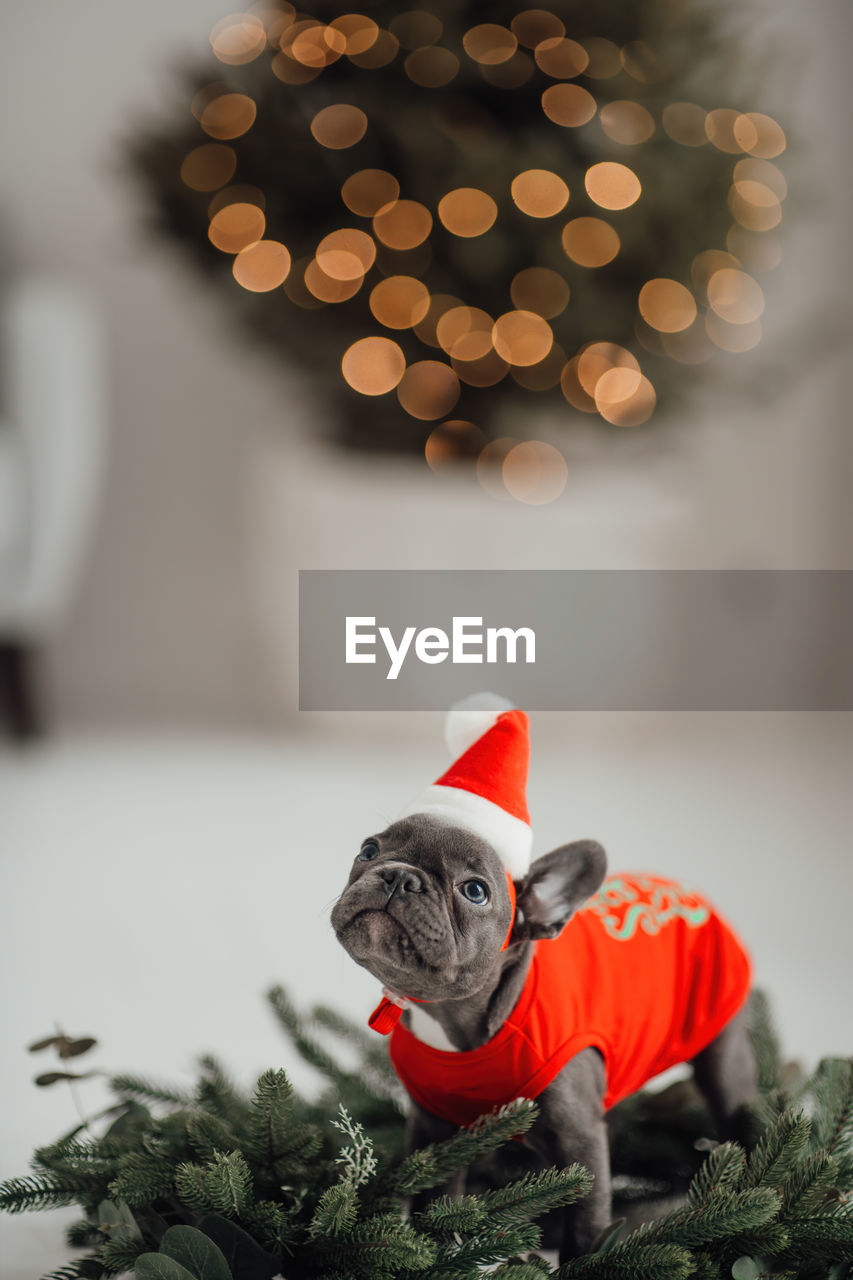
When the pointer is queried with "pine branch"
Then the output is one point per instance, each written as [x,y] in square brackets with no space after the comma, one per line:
[765,1044]
[380,1245]
[778,1150]
[806,1187]
[727,1214]
[336,1211]
[446,1217]
[722,1170]
[434,1164]
[223,1185]
[831,1088]
[217,1093]
[22,1195]
[632,1262]
[537,1193]
[142,1176]
[490,1244]
[308,1048]
[135,1087]
[208,1134]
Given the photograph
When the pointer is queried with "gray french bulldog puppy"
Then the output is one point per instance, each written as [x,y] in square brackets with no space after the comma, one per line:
[427,910]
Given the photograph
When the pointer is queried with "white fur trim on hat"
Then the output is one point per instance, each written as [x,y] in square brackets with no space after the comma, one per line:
[470,718]
[511,838]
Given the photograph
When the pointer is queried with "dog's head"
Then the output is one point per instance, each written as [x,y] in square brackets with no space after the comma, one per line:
[427,906]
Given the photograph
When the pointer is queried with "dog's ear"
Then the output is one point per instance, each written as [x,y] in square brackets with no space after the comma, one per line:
[555,886]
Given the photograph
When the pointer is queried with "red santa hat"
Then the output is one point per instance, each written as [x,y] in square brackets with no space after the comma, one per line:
[484,790]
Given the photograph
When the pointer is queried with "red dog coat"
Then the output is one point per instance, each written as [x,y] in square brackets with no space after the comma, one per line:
[646,972]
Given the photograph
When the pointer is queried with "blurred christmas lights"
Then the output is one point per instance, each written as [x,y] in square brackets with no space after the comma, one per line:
[413,264]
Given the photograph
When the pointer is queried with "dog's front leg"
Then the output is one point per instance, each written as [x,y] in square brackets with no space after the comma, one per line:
[570,1127]
[422,1128]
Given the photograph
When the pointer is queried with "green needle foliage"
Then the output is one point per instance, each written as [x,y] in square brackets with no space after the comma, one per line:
[216,1185]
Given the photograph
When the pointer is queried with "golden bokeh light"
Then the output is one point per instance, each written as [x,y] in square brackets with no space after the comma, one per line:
[754,206]
[369,190]
[612,185]
[238,39]
[489,43]
[339,126]
[289,71]
[490,464]
[690,346]
[734,338]
[719,130]
[487,371]
[568,105]
[416,28]
[627,122]
[208,167]
[297,290]
[263,266]
[598,358]
[428,390]
[228,116]
[467,211]
[641,63]
[402,224]
[453,442]
[381,53]
[684,122]
[705,264]
[533,26]
[590,242]
[572,389]
[465,333]
[516,71]
[750,169]
[359,32]
[326,288]
[545,374]
[206,95]
[432,67]
[759,135]
[346,254]
[625,397]
[735,296]
[604,58]
[561,58]
[236,226]
[541,290]
[439,303]
[399,302]
[238,193]
[754,250]
[666,305]
[534,472]
[522,337]
[539,193]
[373,366]
[313,44]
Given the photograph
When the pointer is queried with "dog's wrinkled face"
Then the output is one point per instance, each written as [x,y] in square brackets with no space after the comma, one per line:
[426,909]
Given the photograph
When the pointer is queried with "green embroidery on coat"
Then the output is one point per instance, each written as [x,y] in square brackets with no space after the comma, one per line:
[645,904]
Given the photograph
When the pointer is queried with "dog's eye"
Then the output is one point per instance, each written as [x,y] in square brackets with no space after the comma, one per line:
[475,891]
[369,851]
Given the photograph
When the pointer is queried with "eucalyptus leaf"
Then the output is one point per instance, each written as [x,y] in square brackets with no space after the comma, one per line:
[607,1238]
[74,1048]
[195,1251]
[51,1077]
[158,1266]
[116,1218]
[42,1044]
[244,1255]
[745,1268]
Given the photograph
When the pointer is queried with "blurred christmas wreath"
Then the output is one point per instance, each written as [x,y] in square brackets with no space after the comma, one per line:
[447,210]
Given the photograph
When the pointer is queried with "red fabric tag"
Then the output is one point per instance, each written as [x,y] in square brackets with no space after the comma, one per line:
[385,1017]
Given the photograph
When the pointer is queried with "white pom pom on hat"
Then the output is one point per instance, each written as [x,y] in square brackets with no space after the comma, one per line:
[485,789]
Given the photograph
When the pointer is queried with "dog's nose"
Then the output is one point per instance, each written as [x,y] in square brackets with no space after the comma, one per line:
[400,880]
